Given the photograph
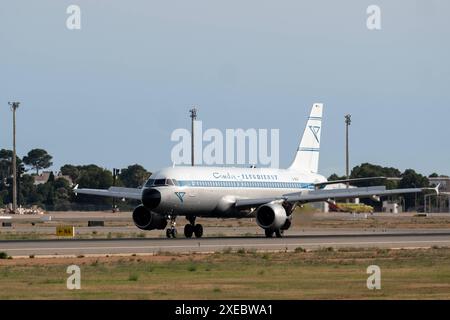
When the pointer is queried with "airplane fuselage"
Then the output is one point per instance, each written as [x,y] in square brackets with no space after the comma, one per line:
[271,195]
[212,191]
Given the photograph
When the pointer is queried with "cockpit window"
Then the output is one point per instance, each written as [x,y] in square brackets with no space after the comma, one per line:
[161,182]
[150,183]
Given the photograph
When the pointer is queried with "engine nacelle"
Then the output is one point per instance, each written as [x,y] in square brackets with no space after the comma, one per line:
[273,216]
[144,219]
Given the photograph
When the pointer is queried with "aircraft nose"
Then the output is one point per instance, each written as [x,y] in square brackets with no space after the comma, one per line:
[151,198]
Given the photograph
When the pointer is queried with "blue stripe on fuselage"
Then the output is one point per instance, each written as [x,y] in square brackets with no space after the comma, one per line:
[245,184]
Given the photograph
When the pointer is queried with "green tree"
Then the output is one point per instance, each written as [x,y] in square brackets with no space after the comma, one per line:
[47,192]
[6,164]
[38,159]
[6,157]
[434,175]
[70,170]
[62,194]
[27,191]
[134,176]
[94,177]
[412,179]
[335,177]
[367,170]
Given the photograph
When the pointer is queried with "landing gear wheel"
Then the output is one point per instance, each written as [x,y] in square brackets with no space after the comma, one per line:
[198,230]
[188,230]
[279,233]
[269,233]
[172,231]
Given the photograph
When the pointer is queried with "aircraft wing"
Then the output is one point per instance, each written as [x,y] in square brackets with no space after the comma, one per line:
[326,183]
[113,192]
[325,195]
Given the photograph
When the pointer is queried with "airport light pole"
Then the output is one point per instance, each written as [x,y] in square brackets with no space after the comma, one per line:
[14,106]
[116,172]
[193,116]
[348,122]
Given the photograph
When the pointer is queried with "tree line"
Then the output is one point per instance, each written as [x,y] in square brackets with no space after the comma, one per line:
[402,180]
[56,193]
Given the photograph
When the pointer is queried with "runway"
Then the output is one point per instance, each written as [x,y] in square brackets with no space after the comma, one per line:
[421,239]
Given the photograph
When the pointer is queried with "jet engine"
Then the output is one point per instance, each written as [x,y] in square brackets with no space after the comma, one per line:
[273,216]
[146,220]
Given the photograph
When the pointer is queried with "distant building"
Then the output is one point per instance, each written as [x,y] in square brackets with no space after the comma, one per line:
[443,181]
[42,178]
[392,207]
[45,175]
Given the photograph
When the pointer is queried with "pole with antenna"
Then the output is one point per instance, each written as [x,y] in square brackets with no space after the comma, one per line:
[14,106]
[193,116]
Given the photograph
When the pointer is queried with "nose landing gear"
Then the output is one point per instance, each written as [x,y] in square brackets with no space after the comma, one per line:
[172,231]
[193,229]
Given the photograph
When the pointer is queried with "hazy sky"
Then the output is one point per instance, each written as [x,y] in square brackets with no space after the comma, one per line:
[112,92]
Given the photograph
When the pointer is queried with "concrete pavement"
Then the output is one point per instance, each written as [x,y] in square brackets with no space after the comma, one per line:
[421,239]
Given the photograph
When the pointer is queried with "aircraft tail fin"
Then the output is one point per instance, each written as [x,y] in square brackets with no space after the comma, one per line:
[307,157]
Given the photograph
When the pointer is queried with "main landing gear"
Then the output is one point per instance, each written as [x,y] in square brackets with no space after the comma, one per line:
[278,233]
[193,229]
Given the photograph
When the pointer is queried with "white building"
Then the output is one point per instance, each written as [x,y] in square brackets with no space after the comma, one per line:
[392,207]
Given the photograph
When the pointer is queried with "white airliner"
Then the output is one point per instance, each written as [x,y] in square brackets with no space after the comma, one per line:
[270,195]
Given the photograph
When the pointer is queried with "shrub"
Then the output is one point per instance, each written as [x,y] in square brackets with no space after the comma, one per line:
[192,268]
[3,255]
[227,250]
[133,277]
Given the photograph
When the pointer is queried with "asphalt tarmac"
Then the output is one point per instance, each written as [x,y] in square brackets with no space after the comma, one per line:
[69,247]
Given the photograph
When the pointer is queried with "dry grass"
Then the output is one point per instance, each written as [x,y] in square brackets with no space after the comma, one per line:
[323,274]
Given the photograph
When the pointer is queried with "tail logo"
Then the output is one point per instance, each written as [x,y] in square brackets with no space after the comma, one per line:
[315,131]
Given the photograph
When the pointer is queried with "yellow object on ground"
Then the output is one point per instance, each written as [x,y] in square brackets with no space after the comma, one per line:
[355,208]
[65,231]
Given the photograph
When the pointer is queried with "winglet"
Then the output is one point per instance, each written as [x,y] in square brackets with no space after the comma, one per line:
[75,189]
[436,189]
